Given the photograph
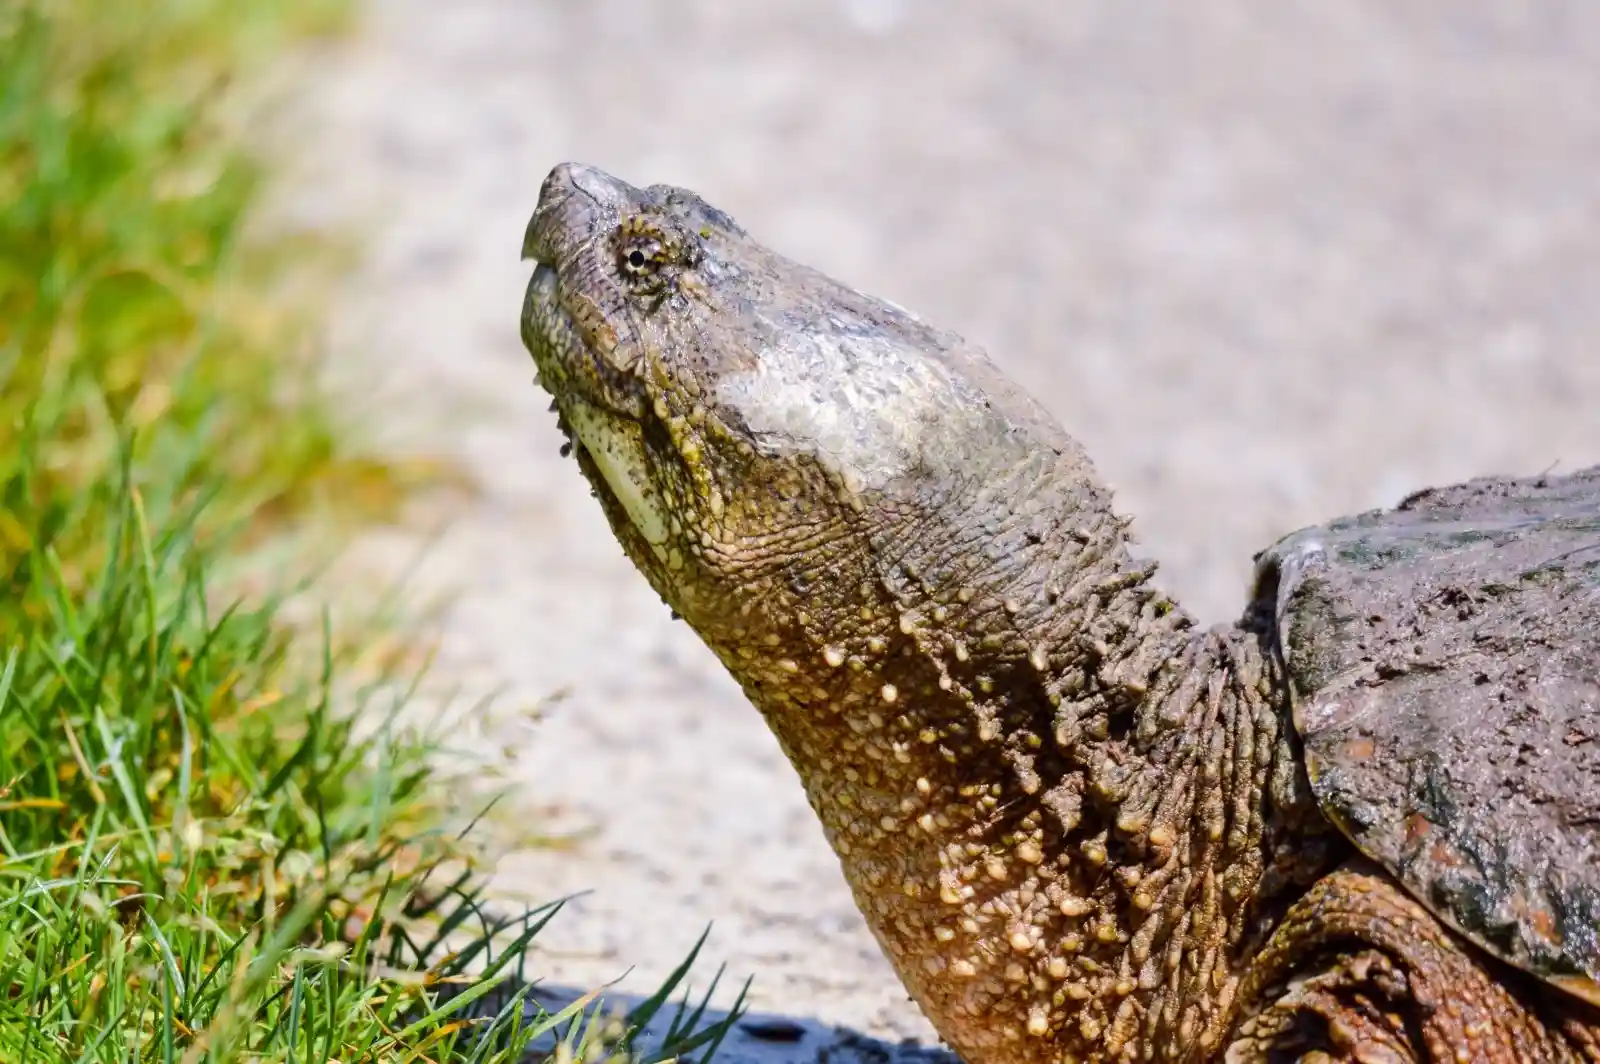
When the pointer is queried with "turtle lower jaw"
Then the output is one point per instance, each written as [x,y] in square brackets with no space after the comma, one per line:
[616,449]
[612,441]
[539,303]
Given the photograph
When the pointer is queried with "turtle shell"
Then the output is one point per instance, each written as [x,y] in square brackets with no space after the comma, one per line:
[1443,659]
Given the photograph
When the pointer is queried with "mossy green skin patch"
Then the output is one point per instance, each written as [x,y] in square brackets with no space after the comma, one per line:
[1073,820]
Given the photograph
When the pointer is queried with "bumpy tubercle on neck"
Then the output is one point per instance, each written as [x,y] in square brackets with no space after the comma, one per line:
[1060,806]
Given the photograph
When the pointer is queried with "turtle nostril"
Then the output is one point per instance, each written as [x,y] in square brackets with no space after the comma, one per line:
[605,190]
[573,199]
[558,182]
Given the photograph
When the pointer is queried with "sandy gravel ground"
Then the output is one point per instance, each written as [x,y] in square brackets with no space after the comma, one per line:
[1272,261]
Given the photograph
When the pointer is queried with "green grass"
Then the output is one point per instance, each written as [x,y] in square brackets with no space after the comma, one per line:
[201,858]
[203,861]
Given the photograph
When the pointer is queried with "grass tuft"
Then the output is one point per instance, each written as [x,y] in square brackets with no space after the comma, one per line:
[201,859]
[133,311]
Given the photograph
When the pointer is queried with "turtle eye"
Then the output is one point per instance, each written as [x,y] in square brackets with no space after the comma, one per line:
[642,252]
[642,258]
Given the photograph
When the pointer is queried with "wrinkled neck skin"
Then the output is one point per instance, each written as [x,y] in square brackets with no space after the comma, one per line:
[1057,803]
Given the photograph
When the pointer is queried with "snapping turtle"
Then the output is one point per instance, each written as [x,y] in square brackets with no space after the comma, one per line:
[1361,823]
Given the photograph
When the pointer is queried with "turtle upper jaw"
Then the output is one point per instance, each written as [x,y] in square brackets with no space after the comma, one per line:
[573,338]
[573,203]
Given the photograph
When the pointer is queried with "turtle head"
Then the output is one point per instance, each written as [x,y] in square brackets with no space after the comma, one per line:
[750,425]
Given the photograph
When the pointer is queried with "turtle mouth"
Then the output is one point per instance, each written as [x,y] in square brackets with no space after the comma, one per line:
[604,433]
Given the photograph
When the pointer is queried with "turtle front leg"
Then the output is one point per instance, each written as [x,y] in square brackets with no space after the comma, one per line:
[1360,972]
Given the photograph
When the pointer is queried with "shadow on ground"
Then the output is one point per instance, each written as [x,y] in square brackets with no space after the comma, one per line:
[757,1037]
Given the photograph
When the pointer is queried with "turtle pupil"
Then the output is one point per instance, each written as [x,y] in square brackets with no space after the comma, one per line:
[636,259]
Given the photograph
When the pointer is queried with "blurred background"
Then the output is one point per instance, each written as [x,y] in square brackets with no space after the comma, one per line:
[1271,261]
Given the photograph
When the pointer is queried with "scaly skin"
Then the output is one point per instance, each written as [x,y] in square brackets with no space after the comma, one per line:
[1357,966]
[1073,821]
